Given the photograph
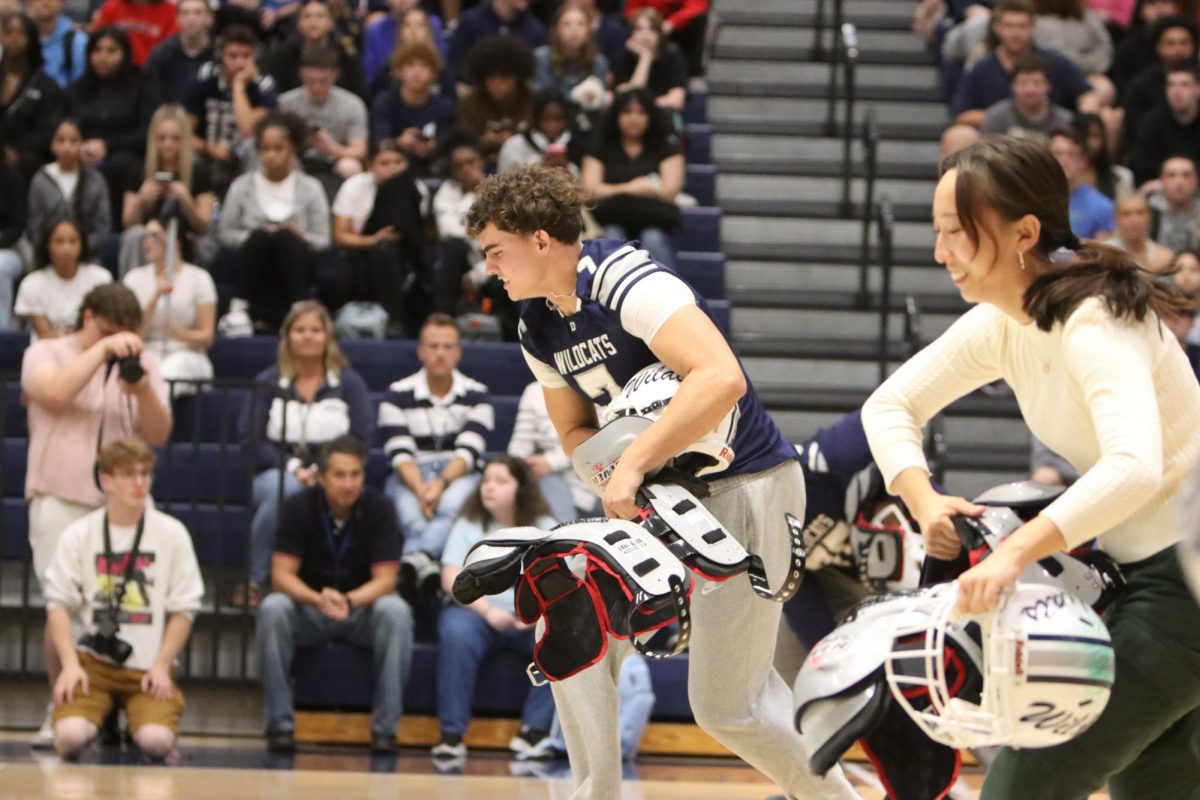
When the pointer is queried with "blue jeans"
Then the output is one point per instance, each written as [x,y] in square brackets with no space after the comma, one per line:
[464,640]
[428,535]
[386,628]
[658,243]
[557,493]
[11,269]
[266,521]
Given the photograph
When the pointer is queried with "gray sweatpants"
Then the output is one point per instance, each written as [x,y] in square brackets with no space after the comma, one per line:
[735,693]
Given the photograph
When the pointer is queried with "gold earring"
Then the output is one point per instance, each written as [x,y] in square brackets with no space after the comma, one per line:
[1021,256]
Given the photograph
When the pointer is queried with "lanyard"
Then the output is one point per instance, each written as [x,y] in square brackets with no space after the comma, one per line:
[115,597]
[338,545]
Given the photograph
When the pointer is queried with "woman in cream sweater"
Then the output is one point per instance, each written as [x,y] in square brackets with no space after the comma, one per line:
[1074,328]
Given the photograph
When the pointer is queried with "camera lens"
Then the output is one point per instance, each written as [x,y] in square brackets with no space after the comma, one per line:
[130,369]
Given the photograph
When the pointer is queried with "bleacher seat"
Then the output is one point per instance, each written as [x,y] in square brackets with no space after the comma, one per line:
[12,347]
[700,181]
[699,230]
[695,109]
[720,313]
[704,271]
[699,143]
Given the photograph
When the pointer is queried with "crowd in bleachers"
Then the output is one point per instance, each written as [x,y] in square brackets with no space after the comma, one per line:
[180,176]
[1111,87]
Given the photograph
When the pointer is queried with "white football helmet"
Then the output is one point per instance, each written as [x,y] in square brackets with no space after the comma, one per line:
[1047,668]
[648,393]
[888,549]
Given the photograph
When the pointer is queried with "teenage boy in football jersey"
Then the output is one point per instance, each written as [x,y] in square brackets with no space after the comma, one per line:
[593,313]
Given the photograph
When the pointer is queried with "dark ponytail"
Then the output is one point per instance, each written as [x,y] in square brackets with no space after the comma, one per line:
[1101,270]
[1015,177]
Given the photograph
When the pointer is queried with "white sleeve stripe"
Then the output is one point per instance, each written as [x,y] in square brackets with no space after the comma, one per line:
[619,253]
[618,272]
[614,266]
[617,295]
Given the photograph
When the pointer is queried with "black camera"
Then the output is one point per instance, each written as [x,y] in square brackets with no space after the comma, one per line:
[129,368]
[105,642]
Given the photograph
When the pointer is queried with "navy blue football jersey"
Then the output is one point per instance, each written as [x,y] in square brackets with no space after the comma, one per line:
[625,297]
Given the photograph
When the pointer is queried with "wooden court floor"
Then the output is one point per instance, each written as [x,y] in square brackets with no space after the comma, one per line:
[240,770]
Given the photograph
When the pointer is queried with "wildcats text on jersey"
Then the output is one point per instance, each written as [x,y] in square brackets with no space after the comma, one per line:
[584,354]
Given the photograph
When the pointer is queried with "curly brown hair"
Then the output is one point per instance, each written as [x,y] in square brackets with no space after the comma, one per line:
[527,199]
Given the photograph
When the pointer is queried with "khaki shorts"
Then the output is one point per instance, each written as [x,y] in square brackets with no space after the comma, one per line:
[49,516]
[109,685]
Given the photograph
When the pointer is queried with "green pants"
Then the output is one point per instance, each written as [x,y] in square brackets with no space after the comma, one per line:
[1146,744]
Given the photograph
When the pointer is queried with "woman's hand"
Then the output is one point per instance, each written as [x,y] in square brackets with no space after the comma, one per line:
[935,517]
[979,587]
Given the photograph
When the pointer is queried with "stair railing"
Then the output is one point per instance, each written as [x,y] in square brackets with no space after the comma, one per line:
[887,222]
[870,146]
[819,51]
[842,70]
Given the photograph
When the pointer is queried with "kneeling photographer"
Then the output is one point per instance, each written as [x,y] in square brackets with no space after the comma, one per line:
[83,390]
[128,571]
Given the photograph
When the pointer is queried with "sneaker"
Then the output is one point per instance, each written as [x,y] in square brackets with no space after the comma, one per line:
[545,750]
[236,322]
[421,577]
[281,741]
[44,738]
[526,738]
[449,748]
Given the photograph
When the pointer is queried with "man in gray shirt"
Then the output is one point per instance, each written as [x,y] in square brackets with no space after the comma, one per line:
[1029,113]
[1174,206]
[337,120]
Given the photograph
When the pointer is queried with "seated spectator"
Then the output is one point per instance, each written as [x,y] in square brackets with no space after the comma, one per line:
[382,38]
[497,104]
[507,497]
[226,102]
[1135,50]
[172,183]
[1174,43]
[411,113]
[378,229]
[176,61]
[488,19]
[337,120]
[334,572]
[547,141]
[67,187]
[432,424]
[990,80]
[308,397]
[652,62]
[314,29]
[1133,234]
[131,564]
[1174,206]
[1028,113]
[416,26]
[274,219]
[684,21]
[608,27]
[63,45]
[74,400]
[1092,214]
[535,441]
[31,103]
[1077,33]
[635,174]
[49,298]
[146,23]
[1185,274]
[460,281]
[1113,180]
[179,308]
[1048,467]
[12,228]
[572,60]
[1169,130]
[113,103]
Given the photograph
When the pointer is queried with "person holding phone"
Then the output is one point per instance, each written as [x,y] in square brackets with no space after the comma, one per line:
[274,219]
[547,141]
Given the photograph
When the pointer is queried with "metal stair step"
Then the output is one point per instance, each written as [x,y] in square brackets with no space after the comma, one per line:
[756,187]
[802,233]
[866,93]
[889,129]
[889,110]
[825,253]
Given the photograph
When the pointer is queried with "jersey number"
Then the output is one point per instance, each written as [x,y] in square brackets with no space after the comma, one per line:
[598,384]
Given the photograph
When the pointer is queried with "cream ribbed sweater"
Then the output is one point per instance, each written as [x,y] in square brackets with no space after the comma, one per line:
[1116,398]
